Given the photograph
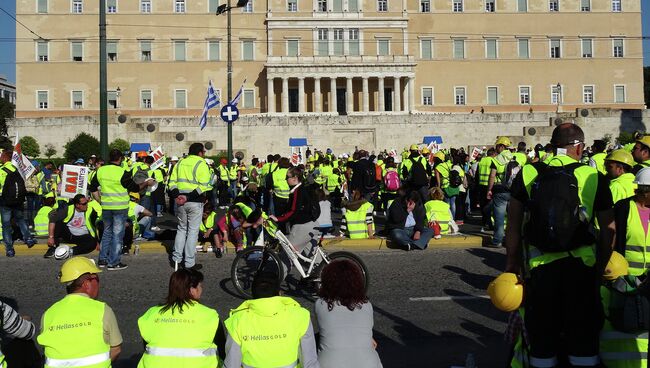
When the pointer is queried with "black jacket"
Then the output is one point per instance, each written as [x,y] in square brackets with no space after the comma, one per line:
[397,215]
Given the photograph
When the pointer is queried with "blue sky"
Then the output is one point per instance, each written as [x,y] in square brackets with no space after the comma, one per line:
[8,34]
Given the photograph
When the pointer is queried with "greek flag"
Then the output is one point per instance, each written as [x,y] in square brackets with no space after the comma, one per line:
[211,100]
[235,100]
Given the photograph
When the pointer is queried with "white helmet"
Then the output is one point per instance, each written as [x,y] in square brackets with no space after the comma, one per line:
[643,176]
[62,252]
[174,158]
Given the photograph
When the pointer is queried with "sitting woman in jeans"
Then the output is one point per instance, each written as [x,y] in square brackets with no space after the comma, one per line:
[406,223]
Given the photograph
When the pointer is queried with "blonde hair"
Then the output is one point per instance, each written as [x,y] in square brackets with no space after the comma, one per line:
[436,194]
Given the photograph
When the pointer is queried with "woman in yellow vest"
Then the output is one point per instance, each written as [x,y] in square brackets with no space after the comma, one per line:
[438,210]
[181,332]
[207,233]
[357,221]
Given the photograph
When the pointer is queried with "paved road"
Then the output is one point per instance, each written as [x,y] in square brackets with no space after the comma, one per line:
[432,331]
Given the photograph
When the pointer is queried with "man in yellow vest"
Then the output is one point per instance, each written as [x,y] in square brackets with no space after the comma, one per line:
[12,209]
[79,330]
[562,304]
[115,183]
[223,183]
[189,184]
[270,330]
[278,182]
[73,224]
[484,168]
[597,159]
[357,221]
[618,165]
[41,220]
[641,153]
[520,155]
[498,192]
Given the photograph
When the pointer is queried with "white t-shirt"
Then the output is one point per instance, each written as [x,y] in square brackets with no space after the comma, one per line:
[138,210]
[77,224]
[325,218]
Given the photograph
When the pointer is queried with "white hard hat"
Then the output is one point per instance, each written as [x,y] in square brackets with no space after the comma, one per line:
[234,160]
[62,252]
[643,176]
[174,158]
[209,161]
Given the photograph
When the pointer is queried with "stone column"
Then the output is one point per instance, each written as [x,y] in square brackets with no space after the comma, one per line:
[411,86]
[270,97]
[285,95]
[348,95]
[332,94]
[366,99]
[301,94]
[380,96]
[317,99]
[396,94]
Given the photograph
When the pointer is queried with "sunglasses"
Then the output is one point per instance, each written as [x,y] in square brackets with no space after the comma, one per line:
[83,203]
[289,177]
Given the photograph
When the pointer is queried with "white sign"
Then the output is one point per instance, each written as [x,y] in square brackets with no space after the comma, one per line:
[475,153]
[22,163]
[74,180]
[158,158]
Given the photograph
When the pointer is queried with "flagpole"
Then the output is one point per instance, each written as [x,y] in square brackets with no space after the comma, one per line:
[229,77]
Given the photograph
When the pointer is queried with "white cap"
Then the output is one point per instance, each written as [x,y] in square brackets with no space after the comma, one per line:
[174,158]
[234,160]
[643,176]
[209,161]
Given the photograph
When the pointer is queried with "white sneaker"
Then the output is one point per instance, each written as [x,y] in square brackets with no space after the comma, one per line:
[155,228]
[139,239]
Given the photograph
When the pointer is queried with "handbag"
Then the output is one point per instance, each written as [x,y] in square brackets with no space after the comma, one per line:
[629,309]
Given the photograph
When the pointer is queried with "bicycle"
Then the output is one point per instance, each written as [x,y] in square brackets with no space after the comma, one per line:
[253,260]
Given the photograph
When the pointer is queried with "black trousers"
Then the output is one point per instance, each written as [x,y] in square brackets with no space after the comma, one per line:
[224,197]
[83,244]
[485,205]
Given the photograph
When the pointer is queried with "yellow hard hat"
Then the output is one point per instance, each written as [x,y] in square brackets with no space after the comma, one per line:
[503,140]
[350,159]
[644,140]
[48,195]
[622,156]
[414,147]
[506,293]
[616,267]
[74,267]
[425,151]
[135,195]
[440,155]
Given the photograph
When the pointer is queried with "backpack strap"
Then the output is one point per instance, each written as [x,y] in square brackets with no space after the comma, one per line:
[621,213]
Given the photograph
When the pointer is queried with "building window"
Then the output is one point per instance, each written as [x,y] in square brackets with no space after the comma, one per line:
[213,50]
[616,6]
[556,51]
[459,49]
[337,5]
[292,5]
[337,43]
[212,6]
[353,5]
[323,45]
[249,7]
[179,50]
[619,94]
[492,96]
[322,5]
[247,50]
[382,5]
[249,99]
[490,6]
[556,95]
[585,5]
[179,6]
[42,51]
[524,95]
[459,95]
[353,42]
[427,96]
[77,99]
[145,6]
[111,6]
[524,52]
[111,97]
[292,48]
[425,6]
[77,6]
[588,94]
[42,99]
[491,48]
[145,99]
[554,5]
[457,6]
[41,6]
[180,99]
[111,50]
[587,48]
[618,47]
[383,47]
[522,6]
[77,50]
[426,49]
[145,50]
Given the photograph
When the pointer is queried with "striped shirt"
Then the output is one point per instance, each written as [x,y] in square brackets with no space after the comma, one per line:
[14,325]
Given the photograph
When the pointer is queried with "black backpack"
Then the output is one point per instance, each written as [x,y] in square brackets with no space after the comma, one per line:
[455,180]
[555,223]
[312,200]
[13,190]
[368,176]
[418,174]
[512,169]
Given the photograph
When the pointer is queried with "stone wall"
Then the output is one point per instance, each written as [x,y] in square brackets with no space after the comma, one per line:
[260,134]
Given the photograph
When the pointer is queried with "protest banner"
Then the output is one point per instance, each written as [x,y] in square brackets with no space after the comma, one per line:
[158,158]
[475,153]
[74,180]
[21,162]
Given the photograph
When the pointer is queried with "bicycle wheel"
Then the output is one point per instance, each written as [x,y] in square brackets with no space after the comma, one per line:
[343,255]
[248,263]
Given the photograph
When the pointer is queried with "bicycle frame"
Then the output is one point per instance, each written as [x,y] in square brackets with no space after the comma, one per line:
[294,255]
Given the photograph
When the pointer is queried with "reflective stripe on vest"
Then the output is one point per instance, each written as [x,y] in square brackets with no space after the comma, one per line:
[356,221]
[635,356]
[208,223]
[294,364]
[280,185]
[180,352]
[223,173]
[113,195]
[599,160]
[42,220]
[484,171]
[88,222]
[438,211]
[636,243]
[79,362]
[444,170]
[538,258]
[190,174]
[333,182]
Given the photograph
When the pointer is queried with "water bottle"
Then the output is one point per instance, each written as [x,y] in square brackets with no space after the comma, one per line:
[136,249]
[470,362]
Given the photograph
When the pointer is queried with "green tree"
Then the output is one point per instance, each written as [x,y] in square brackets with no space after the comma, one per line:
[82,146]
[29,146]
[120,144]
[49,150]
[6,112]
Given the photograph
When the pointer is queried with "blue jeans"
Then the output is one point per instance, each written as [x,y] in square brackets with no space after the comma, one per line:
[148,203]
[189,218]
[404,237]
[451,201]
[145,227]
[17,213]
[33,205]
[110,249]
[499,208]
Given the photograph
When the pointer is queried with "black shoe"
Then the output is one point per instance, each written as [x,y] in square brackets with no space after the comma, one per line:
[125,251]
[49,253]
[117,267]
[30,242]
[218,252]
[407,247]
[102,264]
[196,267]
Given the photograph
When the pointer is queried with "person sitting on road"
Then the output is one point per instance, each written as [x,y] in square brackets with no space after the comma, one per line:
[438,210]
[182,332]
[73,224]
[325,218]
[230,229]
[345,319]
[209,231]
[406,223]
[42,219]
[357,221]
[138,223]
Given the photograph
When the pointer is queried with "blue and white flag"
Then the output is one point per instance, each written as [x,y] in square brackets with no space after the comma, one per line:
[211,100]
[235,100]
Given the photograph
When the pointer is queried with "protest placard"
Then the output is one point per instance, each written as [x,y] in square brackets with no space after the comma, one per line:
[74,180]
[158,158]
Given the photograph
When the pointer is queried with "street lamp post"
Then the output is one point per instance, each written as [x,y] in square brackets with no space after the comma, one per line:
[558,88]
[226,8]
[103,101]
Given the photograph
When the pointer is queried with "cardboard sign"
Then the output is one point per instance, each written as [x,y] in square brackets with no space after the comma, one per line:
[22,163]
[74,180]
[158,158]
[475,152]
